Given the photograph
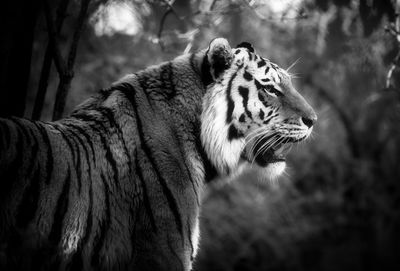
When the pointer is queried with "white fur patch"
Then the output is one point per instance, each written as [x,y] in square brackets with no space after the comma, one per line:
[224,154]
[272,171]
[71,240]
[195,237]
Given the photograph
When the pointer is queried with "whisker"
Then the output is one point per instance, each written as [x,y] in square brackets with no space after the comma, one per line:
[293,64]
[260,139]
[257,132]
[267,145]
[257,135]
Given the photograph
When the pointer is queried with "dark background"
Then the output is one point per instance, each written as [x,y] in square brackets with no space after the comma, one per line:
[337,207]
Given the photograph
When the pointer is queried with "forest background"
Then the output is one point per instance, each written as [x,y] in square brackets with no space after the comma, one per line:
[338,205]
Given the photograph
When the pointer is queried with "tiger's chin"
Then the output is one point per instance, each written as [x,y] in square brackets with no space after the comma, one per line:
[266,171]
[270,172]
[269,164]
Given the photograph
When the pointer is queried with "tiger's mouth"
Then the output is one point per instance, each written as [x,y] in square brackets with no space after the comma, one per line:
[263,155]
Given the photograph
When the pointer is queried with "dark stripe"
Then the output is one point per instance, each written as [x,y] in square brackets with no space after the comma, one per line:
[143,78]
[259,86]
[146,200]
[261,97]
[269,117]
[33,154]
[242,118]
[89,139]
[106,92]
[49,155]
[209,169]
[109,114]
[261,63]
[233,133]
[246,45]
[265,80]
[104,224]
[266,69]
[76,158]
[192,62]
[247,76]
[237,51]
[206,71]
[250,55]
[110,159]
[267,120]
[261,114]
[60,211]
[167,192]
[128,91]
[30,200]
[231,105]
[108,153]
[82,143]
[78,166]
[244,92]
[167,86]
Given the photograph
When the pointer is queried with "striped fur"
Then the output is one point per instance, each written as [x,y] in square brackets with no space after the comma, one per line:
[114,186]
[117,185]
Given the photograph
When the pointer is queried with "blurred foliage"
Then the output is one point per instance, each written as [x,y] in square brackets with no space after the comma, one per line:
[338,205]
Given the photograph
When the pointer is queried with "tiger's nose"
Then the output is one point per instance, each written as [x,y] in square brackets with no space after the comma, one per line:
[309,121]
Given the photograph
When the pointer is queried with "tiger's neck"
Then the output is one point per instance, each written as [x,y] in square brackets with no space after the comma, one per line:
[167,101]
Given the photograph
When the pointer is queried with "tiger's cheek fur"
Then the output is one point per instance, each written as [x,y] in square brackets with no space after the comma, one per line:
[231,109]
[223,152]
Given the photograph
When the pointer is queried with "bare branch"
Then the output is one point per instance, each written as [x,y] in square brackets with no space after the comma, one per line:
[77,33]
[46,67]
[66,77]
[161,28]
[53,39]
[170,10]
[212,5]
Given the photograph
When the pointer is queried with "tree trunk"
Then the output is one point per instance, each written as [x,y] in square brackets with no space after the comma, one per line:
[17,20]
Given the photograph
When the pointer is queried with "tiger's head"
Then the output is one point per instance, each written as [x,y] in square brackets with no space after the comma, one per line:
[251,111]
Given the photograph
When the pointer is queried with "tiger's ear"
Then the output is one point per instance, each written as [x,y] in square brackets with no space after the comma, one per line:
[246,45]
[219,56]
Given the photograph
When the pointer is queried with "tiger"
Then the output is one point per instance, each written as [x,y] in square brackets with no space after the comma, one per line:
[118,184]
